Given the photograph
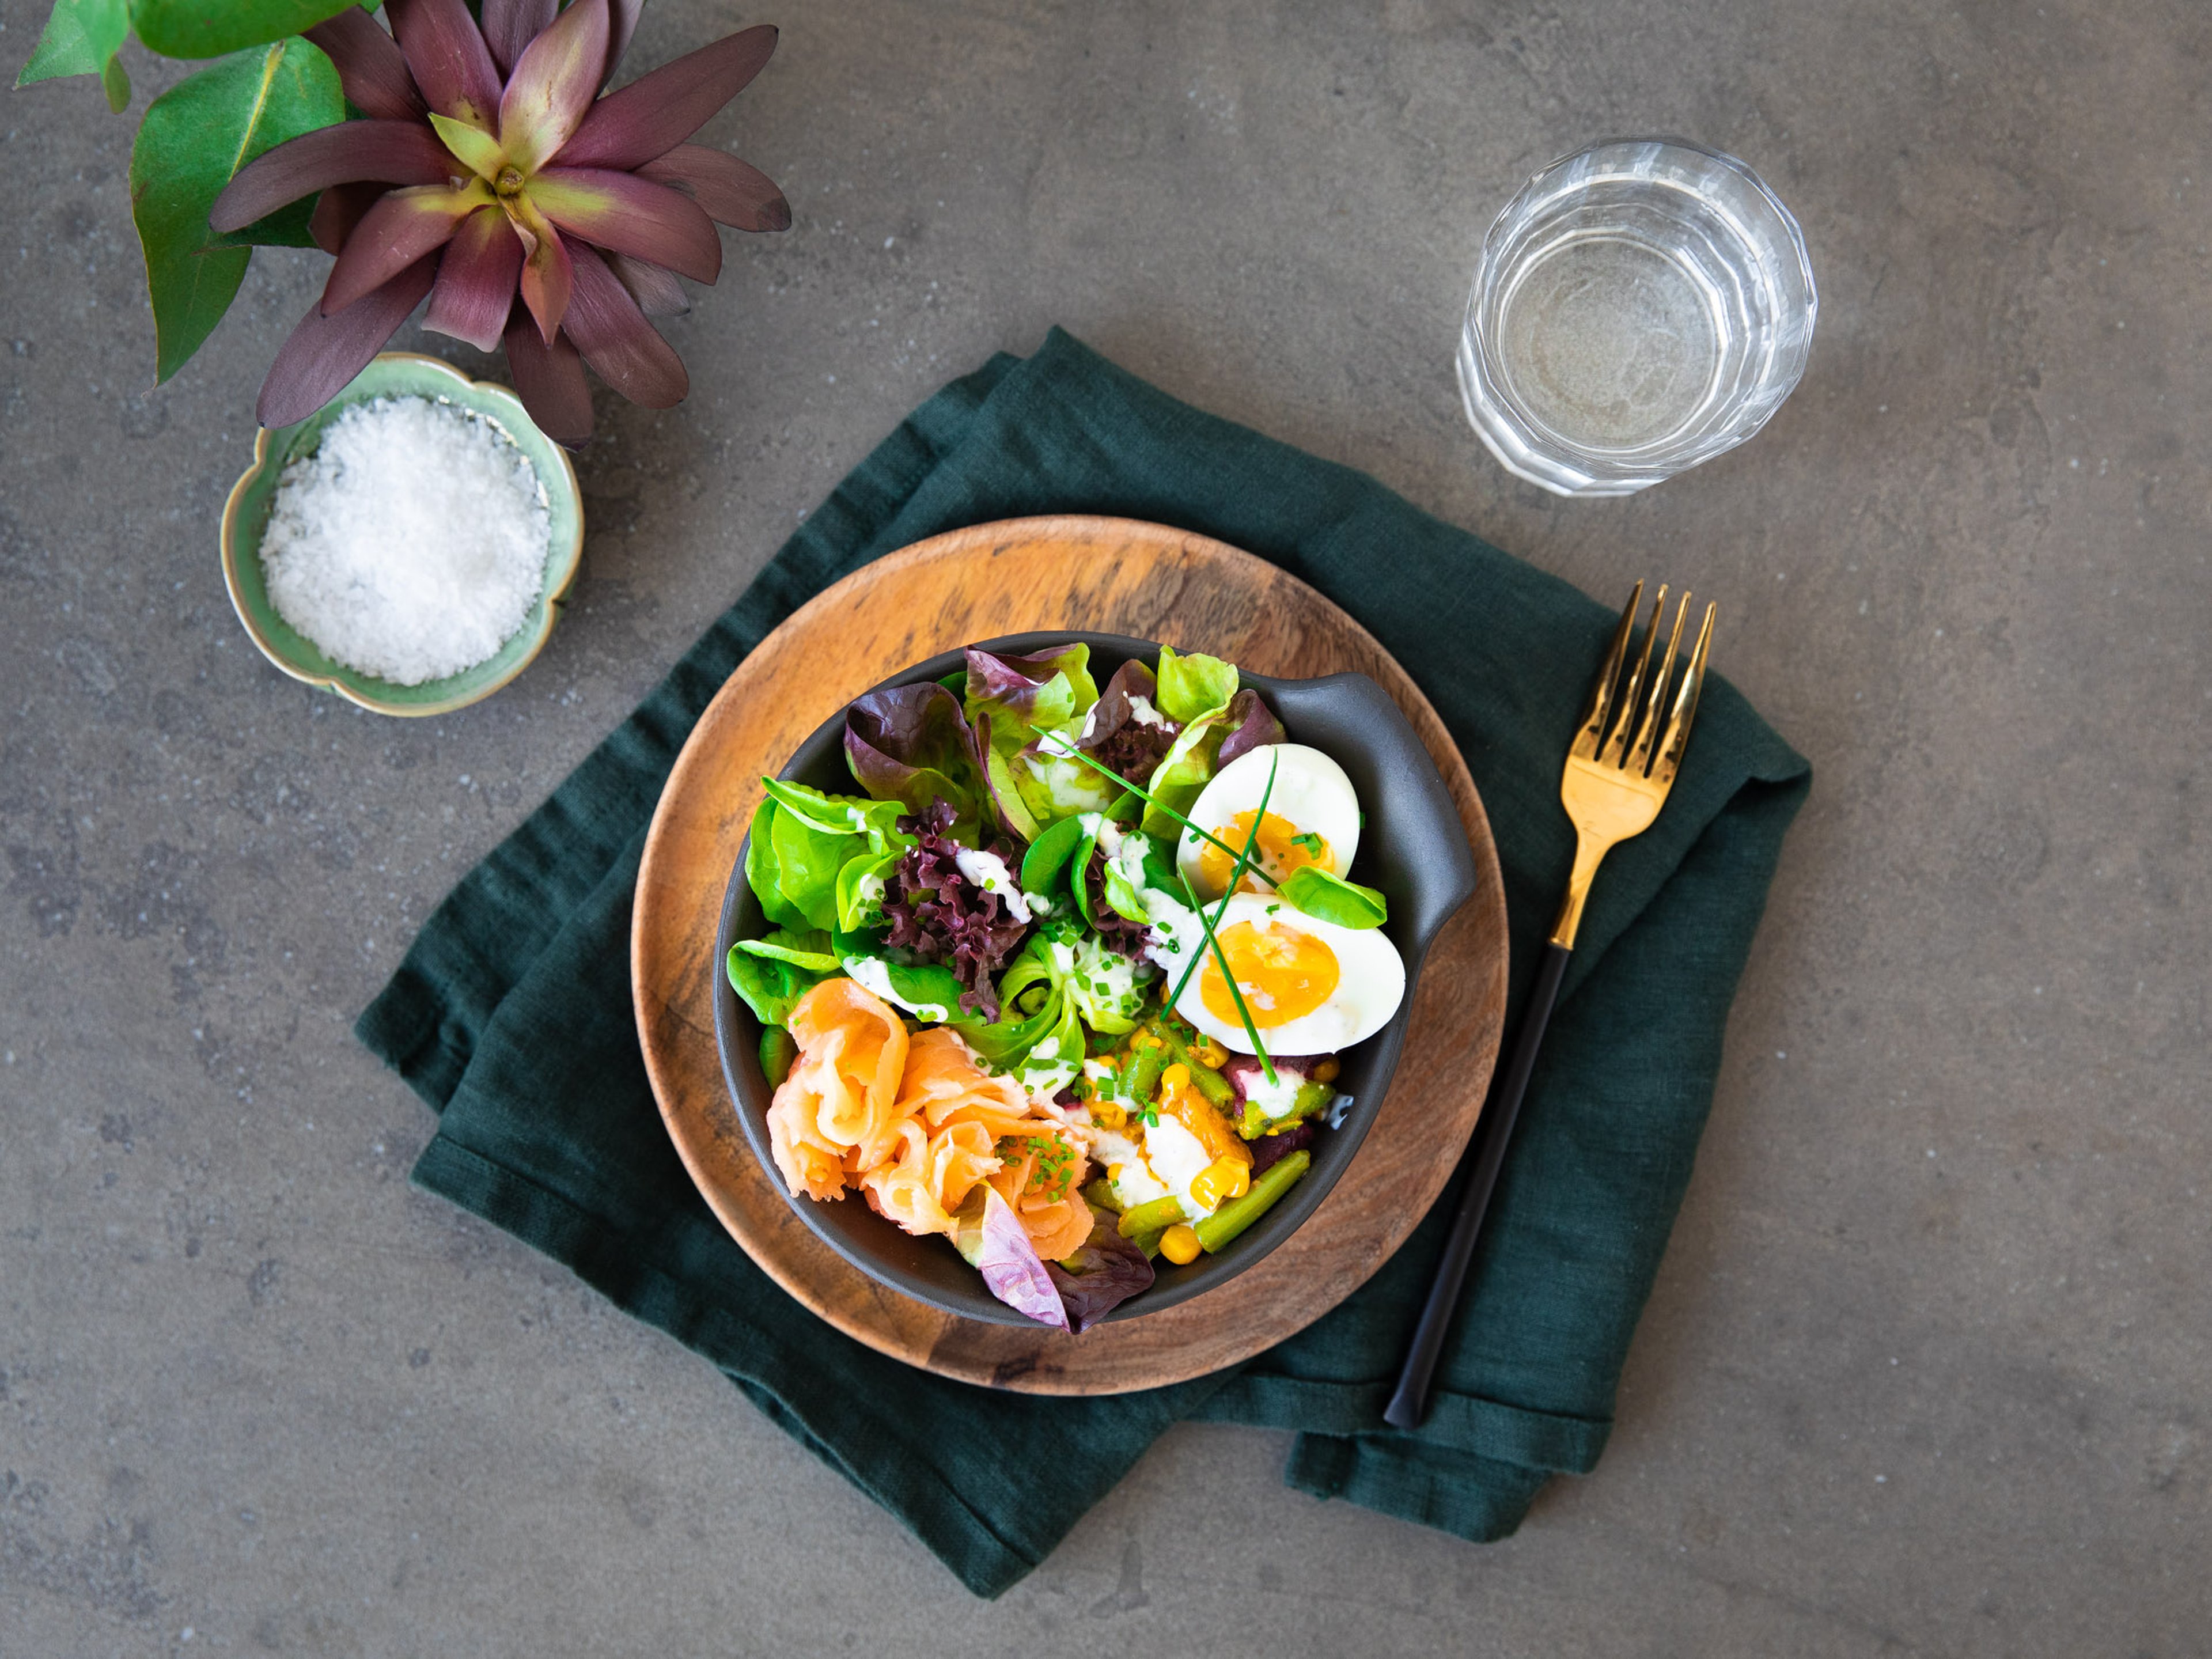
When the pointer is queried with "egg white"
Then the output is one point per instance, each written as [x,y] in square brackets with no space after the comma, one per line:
[1371,984]
[1311,793]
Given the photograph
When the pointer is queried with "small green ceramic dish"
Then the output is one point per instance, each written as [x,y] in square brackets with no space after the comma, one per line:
[400,374]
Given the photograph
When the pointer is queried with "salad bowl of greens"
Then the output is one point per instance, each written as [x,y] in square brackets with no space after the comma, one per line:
[1059,977]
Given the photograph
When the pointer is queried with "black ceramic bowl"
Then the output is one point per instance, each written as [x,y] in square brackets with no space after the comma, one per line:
[1413,847]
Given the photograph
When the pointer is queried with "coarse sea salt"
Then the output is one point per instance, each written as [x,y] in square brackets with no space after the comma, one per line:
[411,545]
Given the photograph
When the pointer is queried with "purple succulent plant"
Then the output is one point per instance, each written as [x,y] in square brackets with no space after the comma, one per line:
[492,176]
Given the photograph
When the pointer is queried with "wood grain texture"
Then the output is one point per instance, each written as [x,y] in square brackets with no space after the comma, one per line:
[1108,576]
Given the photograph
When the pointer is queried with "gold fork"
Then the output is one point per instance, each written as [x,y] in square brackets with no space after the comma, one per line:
[1620,769]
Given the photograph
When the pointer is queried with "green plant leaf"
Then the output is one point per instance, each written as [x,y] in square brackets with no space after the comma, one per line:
[1331,898]
[195,137]
[82,37]
[210,29]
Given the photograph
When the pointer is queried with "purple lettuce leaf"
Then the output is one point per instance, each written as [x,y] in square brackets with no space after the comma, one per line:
[1041,692]
[912,745]
[1121,739]
[1105,1270]
[991,1237]
[1251,725]
[933,910]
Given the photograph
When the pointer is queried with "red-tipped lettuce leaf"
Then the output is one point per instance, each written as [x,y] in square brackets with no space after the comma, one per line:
[1128,737]
[1105,1270]
[992,1238]
[1251,725]
[734,191]
[325,353]
[1022,693]
[657,111]
[911,744]
[380,152]
[372,69]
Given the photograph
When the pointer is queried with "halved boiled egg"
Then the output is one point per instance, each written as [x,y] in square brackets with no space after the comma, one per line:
[1312,818]
[1312,986]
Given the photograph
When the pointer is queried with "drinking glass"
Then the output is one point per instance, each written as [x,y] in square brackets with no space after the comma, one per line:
[1640,307]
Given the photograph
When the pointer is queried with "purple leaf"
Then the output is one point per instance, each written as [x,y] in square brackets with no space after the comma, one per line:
[736,192]
[656,290]
[621,23]
[400,228]
[380,152]
[372,69]
[1251,725]
[655,112]
[446,55]
[553,83]
[476,280]
[933,909]
[625,350]
[338,210]
[509,26]
[1011,1269]
[625,213]
[911,744]
[1013,683]
[1128,740]
[1105,1270]
[550,380]
[325,353]
[549,275]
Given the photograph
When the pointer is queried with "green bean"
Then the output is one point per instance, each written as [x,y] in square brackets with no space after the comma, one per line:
[1100,1193]
[1150,1243]
[1161,1213]
[1234,1217]
[1144,1074]
[1207,1081]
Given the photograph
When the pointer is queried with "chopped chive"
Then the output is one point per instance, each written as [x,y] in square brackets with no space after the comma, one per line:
[1142,794]
[1229,978]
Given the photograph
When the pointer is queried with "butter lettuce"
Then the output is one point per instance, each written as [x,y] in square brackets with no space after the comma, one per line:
[1193,685]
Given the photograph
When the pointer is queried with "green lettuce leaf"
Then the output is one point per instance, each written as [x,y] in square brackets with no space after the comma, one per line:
[770,986]
[1194,685]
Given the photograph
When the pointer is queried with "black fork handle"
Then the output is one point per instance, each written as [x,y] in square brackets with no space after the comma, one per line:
[1410,1404]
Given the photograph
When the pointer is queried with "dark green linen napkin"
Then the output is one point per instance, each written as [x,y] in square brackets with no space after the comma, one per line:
[511,1015]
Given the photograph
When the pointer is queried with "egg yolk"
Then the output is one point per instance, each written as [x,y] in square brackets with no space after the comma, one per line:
[1284,974]
[1282,849]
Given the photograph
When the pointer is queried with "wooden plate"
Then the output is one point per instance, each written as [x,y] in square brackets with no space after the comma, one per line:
[1108,576]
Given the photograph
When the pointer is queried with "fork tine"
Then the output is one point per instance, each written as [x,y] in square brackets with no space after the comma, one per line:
[1685,707]
[1639,758]
[1615,751]
[1601,698]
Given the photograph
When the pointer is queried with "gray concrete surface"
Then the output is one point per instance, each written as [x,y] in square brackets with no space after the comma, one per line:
[1927,1368]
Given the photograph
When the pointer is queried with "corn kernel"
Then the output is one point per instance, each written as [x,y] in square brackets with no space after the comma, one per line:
[1180,1244]
[1214,1055]
[1177,1076]
[1109,1113]
[1326,1072]
[1219,1181]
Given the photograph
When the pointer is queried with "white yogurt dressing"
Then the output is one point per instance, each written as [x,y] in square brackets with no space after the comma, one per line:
[988,871]
[873,974]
